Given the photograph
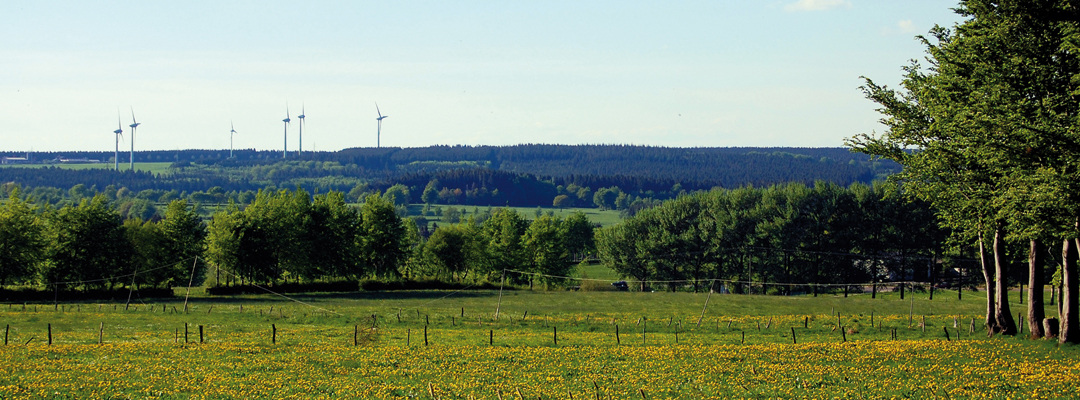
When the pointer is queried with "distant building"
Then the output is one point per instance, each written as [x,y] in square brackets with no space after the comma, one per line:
[14,160]
[63,160]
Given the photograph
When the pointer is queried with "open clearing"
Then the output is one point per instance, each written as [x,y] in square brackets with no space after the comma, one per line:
[435,344]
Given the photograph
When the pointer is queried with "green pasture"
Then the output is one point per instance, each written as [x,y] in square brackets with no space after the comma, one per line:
[152,167]
[495,344]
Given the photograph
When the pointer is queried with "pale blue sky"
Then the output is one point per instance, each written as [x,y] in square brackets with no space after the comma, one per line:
[691,73]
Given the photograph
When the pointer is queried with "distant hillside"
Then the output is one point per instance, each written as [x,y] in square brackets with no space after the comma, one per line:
[525,175]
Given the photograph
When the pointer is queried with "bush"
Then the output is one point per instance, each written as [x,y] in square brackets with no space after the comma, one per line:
[335,286]
[378,285]
[597,286]
[13,295]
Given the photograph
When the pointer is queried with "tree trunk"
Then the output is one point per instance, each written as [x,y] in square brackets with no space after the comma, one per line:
[988,277]
[1006,325]
[1070,332]
[1035,313]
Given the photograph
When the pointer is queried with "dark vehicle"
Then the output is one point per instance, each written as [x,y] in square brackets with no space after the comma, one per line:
[621,286]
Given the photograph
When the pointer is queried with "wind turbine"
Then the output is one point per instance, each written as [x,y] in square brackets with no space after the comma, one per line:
[285,147]
[134,124]
[119,134]
[232,132]
[300,151]
[378,134]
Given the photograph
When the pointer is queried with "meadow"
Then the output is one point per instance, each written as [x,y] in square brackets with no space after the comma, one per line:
[543,344]
[152,167]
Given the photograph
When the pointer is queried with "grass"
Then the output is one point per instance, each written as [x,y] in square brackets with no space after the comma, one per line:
[742,349]
[153,167]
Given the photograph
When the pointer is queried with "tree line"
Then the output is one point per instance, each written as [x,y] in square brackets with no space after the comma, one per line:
[280,237]
[790,234]
[524,175]
[88,245]
[987,133]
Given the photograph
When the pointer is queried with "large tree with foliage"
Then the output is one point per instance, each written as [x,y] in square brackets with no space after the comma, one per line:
[503,233]
[384,241]
[183,238]
[88,246]
[22,246]
[989,126]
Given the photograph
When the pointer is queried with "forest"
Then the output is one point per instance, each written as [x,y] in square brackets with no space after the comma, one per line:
[520,176]
[789,233]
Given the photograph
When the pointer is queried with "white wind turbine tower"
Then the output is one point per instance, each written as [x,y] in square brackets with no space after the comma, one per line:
[285,147]
[378,133]
[134,124]
[300,150]
[119,134]
[232,132]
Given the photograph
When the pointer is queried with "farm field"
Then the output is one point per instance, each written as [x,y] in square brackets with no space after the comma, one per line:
[549,345]
[152,167]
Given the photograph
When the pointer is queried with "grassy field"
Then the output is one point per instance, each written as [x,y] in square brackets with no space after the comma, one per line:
[435,344]
[155,167]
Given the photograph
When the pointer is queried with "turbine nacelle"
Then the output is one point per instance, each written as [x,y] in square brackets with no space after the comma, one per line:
[379,112]
[134,123]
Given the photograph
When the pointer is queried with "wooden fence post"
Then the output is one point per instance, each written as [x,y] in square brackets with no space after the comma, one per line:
[793,336]
[555,335]
[273,334]
[946,333]
[50,334]
[7,329]
[491,337]
[617,341]
[425,335]
[185,333]
[100,333]
[200,333]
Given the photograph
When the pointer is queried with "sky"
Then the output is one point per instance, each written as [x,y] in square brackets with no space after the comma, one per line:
[680,74]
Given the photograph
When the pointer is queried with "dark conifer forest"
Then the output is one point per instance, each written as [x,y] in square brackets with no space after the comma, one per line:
[522,175]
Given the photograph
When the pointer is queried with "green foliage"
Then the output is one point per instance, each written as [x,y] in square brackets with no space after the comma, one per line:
[546,250]
[87,245]
[431,192]
[22,242]
[398,195]
[503,232]
[384,244]
[789,233]
[987,134]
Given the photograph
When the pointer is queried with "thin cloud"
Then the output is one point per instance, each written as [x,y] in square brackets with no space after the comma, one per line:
[815,5]
[906,26]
